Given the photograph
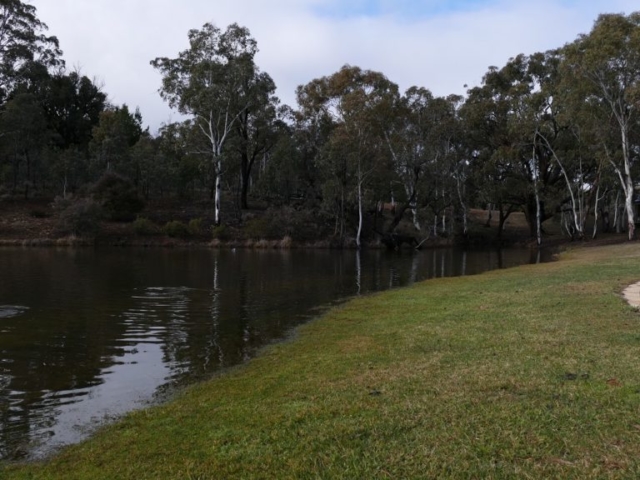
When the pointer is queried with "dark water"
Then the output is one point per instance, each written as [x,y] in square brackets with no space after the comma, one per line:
[86,335]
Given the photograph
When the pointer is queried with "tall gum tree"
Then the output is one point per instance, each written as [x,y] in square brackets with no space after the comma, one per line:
[256,130]
[504,118]
[605,66]
[206,82]
[22,41]
[356,102]
[420,140]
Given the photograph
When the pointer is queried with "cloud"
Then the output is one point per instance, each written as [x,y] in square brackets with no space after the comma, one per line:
[432,43]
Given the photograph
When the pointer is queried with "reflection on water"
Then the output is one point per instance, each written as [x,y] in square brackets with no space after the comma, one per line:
[86,335]
[7,311]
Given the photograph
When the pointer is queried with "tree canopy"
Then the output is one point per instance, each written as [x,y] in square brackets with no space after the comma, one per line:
[552,134]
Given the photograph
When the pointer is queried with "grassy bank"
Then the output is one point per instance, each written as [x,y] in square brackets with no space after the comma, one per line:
[532,372]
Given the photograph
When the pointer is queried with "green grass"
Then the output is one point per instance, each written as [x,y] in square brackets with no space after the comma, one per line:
[532,372]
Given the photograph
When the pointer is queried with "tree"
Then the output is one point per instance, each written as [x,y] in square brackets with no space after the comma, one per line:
[25,135]
[117,132]
[183,170]
[73,104]
[22,42]
[504,118]
[421,140]
[355,101]
[206,81]
[256,130]
[605,66]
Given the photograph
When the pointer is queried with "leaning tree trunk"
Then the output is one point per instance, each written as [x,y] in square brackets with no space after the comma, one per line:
[537,194]
[503,216]
[400,213]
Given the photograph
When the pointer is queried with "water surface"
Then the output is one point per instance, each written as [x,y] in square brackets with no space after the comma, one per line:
[89,334]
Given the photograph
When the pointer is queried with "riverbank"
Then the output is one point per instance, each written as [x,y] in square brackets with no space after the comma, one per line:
[529,372]
[36,223]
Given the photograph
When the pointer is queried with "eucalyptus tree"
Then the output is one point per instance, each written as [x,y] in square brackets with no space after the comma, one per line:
[256,128]
[447,171]
[22,42]
[182,170]
[116,133]
[25,136]
[72,103]
[407,139]
[150,164]
[604,66]
[505,118]
[207,82]
[421,140]
[356,102]
[289,173]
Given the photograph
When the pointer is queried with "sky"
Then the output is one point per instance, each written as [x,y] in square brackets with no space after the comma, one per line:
[438,44]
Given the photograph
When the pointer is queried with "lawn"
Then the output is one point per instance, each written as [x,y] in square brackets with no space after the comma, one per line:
[532,372]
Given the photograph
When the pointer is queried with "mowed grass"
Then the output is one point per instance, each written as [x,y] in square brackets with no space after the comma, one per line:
[532,372]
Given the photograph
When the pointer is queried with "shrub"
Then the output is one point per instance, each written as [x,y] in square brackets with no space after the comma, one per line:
[286,242]
[221,232]
[144,226]
[261,244]
[60,204]
[176,228]
[277,223]
[257,228]
[118,197]
[195,226]
[81,218]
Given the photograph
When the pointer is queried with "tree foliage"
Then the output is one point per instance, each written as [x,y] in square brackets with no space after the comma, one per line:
[551,134]
[23,42]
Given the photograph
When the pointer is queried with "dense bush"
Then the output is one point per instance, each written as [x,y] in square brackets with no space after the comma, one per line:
[176,228]
[118,197]
[60,204]
[220,232]
[81,218]
[277,223]
[144,226]
[195,226]
[257,228]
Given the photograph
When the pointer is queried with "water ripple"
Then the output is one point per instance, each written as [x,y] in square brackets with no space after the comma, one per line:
[10,311]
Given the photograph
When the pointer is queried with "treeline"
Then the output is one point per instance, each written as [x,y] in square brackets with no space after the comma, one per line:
[551,134]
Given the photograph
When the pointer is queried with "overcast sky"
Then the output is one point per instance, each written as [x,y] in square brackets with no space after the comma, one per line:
[438,44]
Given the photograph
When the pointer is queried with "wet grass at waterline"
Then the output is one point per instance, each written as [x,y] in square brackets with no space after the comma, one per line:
[525,373]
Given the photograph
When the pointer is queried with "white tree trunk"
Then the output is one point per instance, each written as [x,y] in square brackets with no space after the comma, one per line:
[538,222]
[595,213]
[358,272]
[627,187]
[218,196]
[537,195]
[577,207]
[464,206]
[629,207]
[616,211]
[359,214]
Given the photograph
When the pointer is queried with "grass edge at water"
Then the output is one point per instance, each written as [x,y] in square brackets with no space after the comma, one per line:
[527,372]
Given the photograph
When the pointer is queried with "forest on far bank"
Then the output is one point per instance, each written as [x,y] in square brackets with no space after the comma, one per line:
[549,135]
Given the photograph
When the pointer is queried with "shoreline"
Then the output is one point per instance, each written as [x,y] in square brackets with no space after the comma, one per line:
[538,361]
